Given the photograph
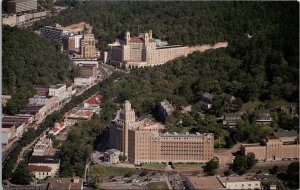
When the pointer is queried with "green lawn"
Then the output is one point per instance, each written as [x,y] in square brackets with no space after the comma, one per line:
[250,106]
[188,165]
[115,171]
[155,166]
[157,186]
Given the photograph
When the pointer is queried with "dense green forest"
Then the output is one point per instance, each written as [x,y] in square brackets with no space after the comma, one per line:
[263,39]
[28,60]
[185,23]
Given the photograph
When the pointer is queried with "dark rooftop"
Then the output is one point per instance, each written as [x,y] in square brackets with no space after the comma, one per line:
[44,159]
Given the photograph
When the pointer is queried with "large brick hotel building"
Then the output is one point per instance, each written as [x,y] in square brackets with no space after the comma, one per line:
[142,141]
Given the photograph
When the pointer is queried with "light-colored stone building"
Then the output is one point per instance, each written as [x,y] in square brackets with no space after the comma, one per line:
[142,141]
[274,148]
[39,172]
[240,182]
[165,109]
[87,46]
[88,70]
[49,161]
[143,51]
[58,90]
[112,156]
[218,183]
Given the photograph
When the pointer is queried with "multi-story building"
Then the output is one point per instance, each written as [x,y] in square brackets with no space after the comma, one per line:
[38,112]
[274,147]
[63,34]
[58,90]
[263,119]
[44,147]
[40,172]
[83,82]
[144,51]
[231,119]
[54,33]
[142,142]
[41,90]
[49,102]
[220,183]
[87,46]
[18,6]
[88,70]
[165,109]
[73,42]
[49,161]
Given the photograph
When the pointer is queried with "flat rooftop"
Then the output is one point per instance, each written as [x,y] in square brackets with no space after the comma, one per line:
[236,179]
[210,182]
[174,134]
[57,86]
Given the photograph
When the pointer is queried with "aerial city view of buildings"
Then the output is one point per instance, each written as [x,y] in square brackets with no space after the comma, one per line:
[133,142]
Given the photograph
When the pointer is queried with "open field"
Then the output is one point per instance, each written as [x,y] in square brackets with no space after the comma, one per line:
[115,171]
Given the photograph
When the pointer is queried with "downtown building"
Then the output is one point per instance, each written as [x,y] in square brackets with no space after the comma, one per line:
[143,51]
[143,142]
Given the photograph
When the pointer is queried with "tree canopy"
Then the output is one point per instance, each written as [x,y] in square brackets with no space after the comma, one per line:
[29,60]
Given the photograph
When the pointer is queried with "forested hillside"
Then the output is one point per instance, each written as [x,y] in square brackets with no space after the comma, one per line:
[263,38]
[186,23]
[28,60]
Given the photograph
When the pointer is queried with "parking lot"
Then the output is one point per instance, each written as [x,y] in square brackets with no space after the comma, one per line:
[134,182]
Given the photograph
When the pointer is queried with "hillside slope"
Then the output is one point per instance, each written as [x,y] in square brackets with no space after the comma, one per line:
[28,60]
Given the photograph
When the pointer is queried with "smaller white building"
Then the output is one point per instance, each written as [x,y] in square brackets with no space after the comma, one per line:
[112,156]
[41,146]
[83,81]
[49,102]
[58,90]
[240,182]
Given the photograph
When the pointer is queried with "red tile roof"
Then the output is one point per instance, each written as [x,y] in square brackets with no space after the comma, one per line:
[61,124]
[95,99]
[34,168]
[55,129]
[88,113]
[136,40]
[271,137]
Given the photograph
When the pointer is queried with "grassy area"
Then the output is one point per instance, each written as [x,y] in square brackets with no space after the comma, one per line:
[278,103]
[250,106]
[155,166]
[115,171]
[188,165]
[157,186]
[266,168]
